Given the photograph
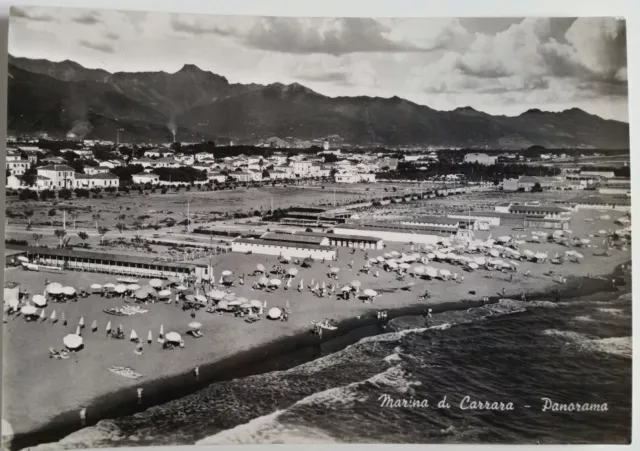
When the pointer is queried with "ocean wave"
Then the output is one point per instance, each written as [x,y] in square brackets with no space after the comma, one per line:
[613,311]
[619,346]
[104,433]
[584,318]
[273,429]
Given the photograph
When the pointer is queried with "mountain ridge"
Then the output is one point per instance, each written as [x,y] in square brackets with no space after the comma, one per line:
[206,105]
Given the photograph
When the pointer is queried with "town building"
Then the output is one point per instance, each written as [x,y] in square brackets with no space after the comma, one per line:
[59,175]
[352,241]
[355,178]
[597,173]
[144,177]
[548,223]
[16,165]
[617,203]
[216,177]
[83,153]
[435,221]
[480,158]
[91,170]
[395,232]
[102,180]
[539,211]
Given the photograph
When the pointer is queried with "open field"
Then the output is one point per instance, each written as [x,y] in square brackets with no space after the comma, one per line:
[74,383]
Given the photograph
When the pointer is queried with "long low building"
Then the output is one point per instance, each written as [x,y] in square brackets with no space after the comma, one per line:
[353,241]
[287,248]
[493,218]
[396,232]
[111,263]
[619,203]
[435,221]
[547,223]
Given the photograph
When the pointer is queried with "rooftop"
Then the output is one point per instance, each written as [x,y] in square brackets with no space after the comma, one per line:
[400,228]
[56,167]
[307,239]
[98,176]
[540,208]
[341,236]
[436,220]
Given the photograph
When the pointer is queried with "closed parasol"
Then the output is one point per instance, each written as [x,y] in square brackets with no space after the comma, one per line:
[39,300]
[274,313]
[72,341]
[173,337]
[155,283]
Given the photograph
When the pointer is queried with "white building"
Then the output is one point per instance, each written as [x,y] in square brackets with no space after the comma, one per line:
[302,168]
[397,233]
[103,180]
[285,248]
[144,178]
[200,156]
[216,177]
[91,170]
[355,178]
[17,165]
[84,153]
[597,173]
[480,158]
[59,175]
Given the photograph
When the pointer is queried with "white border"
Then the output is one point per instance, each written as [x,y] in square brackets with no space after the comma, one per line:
[630,9]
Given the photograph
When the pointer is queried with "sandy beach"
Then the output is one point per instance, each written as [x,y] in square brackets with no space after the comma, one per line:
[77,382]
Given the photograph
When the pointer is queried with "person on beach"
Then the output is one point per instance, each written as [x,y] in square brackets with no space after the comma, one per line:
[140,395]
[524,296]
[485,300]
[83,416]
[504,291]
[511,278]
[528,273]
[196,372]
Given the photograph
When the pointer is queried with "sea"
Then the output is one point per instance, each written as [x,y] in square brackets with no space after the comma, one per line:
[520,352]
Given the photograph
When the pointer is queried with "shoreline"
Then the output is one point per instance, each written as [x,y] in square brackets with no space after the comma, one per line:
[276,355]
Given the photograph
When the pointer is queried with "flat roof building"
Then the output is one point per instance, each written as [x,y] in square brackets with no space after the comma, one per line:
[289,248]
[397,232]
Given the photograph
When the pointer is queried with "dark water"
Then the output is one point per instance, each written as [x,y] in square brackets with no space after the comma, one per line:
[578,350]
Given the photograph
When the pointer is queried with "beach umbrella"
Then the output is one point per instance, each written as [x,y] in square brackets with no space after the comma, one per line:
[54,288]
[274,313]
[109,286]
[235,303]
[346,288]
[72,341]
[540,256]
[275,282]
[194,325]
[255,303]
[380,258]
[293,271]
[245,306]
[505,265]
[223,305]
[263,281]
[120,288]
[419,270]
[334,270]
[585,241]
[173,337]
[387,255]
[133,287]
[69,291]
[173,281]
[229,297]
[431,255]
[444,273]
[242,300]
[53,316]
[395,254]
[494,253]
[373,261]
[200,298]
[96,287]
[227,279]
[431,272]
[404,265]
[164,293]
[133,336]
[355,283]
[155,283]
[181,288]
[261,267]
[226,272]
[370,293]
[473,265]
[22,258]
[141,294]
[190,297]
[286,257]
[39,300]
[216,295]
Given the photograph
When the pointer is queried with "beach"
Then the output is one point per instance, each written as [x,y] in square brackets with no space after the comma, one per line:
[84,379]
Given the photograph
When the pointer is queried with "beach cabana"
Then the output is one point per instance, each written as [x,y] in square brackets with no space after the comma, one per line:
[274,313]
[39,300]
[72,341]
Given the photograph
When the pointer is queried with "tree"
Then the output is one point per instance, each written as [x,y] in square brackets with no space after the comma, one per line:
[30,177]
[28,214]
[52,213]
[83,236]
[64,193]
[60,233]
[37,237]
[96,217]
[102,231]
[536,188]
[121,226]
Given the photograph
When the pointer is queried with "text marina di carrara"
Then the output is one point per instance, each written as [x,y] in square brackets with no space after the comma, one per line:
[470,404]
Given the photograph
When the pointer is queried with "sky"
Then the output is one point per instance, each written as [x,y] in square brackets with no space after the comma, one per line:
[497,65]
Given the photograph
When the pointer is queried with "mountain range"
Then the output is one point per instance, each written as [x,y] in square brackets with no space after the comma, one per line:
[67,99]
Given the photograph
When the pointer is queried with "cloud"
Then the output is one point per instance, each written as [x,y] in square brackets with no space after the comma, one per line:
[99,46]
[30,14]
[87,19]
